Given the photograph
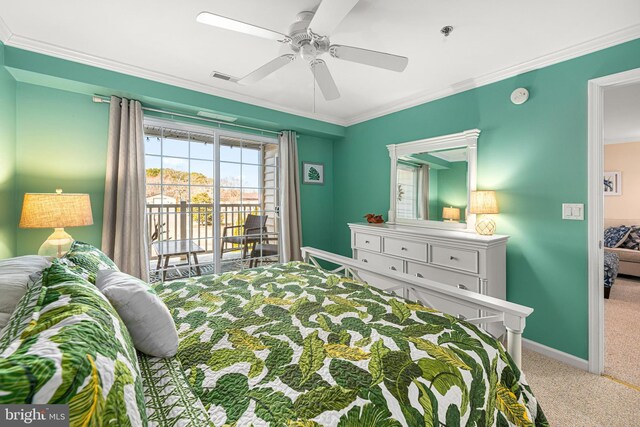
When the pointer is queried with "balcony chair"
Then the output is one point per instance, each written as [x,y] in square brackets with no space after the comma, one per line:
[254,230]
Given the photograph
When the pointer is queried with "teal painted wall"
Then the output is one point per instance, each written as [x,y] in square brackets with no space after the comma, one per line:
[535,157]
[62,143]
[317,200]
[452,188]
[8,218]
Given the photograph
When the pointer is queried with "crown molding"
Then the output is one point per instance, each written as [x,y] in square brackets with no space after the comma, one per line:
[37,46]
[5,32]
[593,45]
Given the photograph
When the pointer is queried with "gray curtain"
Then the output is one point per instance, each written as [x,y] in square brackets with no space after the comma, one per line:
[124,234]
[290,224]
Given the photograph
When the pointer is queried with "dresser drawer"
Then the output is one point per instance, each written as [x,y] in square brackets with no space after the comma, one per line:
[460,259]
[405,249]
[462,281]
[368,241]
[380,262]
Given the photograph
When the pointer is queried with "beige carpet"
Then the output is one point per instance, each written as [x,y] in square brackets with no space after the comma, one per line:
[571,397]
[622,331]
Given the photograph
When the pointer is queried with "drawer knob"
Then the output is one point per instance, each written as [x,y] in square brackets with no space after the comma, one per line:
[366,241]
[365,260]
[403,248]
[461,317]
[461,286]
[419,275]
[393,268]
[453,258]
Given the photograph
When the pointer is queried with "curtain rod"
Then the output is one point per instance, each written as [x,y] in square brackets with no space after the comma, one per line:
[107,100]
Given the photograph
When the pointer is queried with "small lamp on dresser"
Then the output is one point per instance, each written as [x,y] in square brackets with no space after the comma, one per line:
[451,214]
[56,210]
[483,204]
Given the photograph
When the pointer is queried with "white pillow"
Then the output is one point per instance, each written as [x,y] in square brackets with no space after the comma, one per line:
[147,318]
[14,276]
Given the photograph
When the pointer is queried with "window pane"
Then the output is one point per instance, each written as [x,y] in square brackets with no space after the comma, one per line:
[175,147]
[229,153]
[170,164]
[201,150]
[250,197]
[251,176]
[250,155]
[201,172]
[152,145]
[229,196]
[201,194]
[230,174]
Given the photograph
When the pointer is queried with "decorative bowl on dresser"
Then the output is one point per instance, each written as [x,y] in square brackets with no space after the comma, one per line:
[454,257]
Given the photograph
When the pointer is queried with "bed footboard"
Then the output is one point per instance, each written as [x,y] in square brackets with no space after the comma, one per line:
[510,315]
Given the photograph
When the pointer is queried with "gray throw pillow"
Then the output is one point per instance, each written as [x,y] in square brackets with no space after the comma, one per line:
[147,318]
[14,276]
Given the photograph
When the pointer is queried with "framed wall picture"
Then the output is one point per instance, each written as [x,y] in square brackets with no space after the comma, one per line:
[612,183]
[312,173]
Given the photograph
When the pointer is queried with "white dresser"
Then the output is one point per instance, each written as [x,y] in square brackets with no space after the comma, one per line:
[453,257]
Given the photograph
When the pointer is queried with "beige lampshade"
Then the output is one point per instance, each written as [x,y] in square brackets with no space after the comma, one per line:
[55,210]
[483,202]
[451,213]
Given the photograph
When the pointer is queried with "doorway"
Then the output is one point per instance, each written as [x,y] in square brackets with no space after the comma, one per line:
[602,92]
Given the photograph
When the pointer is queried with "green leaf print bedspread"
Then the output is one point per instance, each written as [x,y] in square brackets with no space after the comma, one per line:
[294,345]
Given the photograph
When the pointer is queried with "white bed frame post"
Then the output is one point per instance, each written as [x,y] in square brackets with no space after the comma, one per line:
[493,310]
[515,326]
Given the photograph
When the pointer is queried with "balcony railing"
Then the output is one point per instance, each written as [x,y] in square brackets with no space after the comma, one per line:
[194,221]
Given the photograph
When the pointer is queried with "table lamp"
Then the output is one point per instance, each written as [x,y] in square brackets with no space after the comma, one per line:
[451,214]
[484,203]
[56,210]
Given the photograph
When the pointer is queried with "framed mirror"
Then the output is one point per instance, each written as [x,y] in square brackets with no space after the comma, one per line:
[432,179]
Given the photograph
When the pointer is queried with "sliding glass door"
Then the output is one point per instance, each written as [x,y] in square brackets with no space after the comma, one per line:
[212,200]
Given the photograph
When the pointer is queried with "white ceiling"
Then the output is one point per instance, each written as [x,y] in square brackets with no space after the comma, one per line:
[622,114]
[493,39]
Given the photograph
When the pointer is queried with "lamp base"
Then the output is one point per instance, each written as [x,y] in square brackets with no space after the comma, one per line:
[485,226]
[57,244]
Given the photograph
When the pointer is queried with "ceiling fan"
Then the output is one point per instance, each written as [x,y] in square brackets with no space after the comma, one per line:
[309,38]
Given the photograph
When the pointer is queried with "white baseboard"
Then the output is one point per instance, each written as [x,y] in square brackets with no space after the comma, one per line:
[558,355]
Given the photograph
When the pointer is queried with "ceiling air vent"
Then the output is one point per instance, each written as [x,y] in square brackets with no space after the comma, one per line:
[221,76]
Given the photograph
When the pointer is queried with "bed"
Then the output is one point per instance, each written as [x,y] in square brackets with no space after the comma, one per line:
[285,345]
[293,344]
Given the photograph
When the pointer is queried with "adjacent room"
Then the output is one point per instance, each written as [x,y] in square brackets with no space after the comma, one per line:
[622,243]
[349,213]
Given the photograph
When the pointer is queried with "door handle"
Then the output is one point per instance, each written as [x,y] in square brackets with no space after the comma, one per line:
[461,286]
[393,268]
[403,249]
[365,260]
[453,258]
[419,275]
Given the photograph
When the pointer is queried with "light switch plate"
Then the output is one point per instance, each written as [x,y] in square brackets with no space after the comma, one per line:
[573,211]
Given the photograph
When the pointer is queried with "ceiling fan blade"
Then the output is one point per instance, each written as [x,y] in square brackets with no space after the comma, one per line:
[239,26]
[268,68]
[323,76]
[329,15]
[369,57]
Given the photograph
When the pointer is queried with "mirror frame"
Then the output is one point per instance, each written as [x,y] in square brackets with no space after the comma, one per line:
[468,139]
